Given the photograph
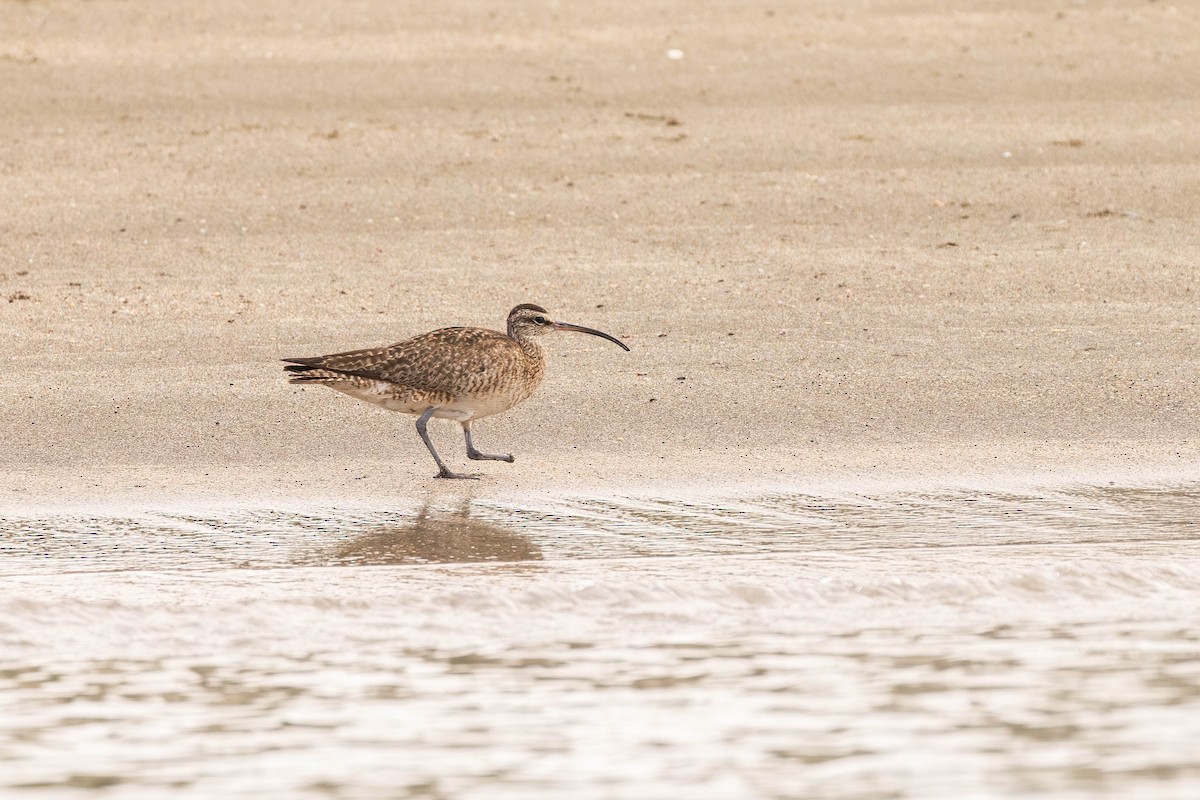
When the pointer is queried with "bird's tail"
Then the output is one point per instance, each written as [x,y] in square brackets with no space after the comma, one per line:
[308,370]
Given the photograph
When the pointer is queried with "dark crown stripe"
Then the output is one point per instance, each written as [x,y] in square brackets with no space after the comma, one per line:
[527,307]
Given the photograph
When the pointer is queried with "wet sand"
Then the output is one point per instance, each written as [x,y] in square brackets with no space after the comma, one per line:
[844,242]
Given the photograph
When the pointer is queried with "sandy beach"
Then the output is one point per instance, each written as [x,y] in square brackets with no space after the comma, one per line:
[896,494]
[843,241]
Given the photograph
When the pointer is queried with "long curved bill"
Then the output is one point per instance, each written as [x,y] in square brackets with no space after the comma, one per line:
[566,326]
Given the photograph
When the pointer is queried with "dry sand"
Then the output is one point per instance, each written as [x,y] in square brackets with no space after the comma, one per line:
[847,242]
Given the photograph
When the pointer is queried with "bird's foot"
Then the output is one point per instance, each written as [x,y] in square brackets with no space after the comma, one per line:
[445,473]
[475,455]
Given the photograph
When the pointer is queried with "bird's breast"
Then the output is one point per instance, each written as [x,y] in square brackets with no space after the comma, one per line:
[492,397]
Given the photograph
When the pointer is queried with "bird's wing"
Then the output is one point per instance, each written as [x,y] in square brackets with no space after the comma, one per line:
[450,360]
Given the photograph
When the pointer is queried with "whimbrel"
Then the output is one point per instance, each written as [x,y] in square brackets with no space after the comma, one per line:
[463,374]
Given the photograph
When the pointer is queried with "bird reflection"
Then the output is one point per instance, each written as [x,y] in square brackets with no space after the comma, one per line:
[437,536]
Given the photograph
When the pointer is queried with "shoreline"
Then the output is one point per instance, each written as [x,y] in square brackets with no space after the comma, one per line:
[123,490]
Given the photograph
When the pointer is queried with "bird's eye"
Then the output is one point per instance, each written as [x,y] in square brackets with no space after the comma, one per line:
[540,320]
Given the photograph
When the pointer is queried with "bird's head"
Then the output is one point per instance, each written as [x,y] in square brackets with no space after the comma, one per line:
[527,321]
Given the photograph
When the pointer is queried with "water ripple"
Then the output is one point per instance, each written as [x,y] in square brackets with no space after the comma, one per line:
[922,644]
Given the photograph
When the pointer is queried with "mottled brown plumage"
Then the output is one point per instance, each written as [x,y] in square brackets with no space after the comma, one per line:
[461,374]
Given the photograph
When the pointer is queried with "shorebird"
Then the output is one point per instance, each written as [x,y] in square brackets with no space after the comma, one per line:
[463,374]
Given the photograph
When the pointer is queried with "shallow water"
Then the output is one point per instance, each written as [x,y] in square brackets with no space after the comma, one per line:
[957,643]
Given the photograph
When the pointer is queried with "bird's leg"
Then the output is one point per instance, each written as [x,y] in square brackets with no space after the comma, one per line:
[475,455]
[422,421]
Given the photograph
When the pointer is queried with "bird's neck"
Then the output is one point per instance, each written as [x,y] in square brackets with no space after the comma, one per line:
[534,352]
[531,347]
